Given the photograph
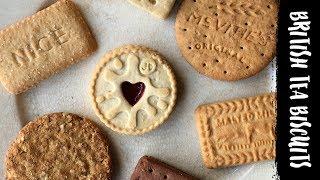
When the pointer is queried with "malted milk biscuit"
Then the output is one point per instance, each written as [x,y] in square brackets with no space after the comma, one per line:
[237,132]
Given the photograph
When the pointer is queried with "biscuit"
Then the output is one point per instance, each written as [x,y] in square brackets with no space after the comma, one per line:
[237,132]
[149,168]
[59,146]
[133,90]
[227,39]
[158,8]
[43,44]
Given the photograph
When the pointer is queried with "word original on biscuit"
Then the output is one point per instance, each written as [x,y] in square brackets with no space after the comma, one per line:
[227,40]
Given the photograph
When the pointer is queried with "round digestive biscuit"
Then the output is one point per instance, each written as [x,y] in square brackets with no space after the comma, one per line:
[59,146]
[133,90]
[227,39]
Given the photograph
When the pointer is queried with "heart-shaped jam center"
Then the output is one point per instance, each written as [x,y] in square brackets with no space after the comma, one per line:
[132,92]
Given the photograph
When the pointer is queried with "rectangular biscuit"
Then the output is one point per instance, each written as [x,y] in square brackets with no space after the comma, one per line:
[149,168]
[40,45]
[237,132]
[158,8]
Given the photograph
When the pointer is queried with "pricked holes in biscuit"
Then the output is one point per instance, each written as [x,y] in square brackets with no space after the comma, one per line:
[247,67]
[216,14]
[272,25]
[241,47]
[194,0]
[268,6]
[225,72]
[246,24]
[189,47]
[150,170]
[204,64]
[216,60]
[262,54]
[153,2]
[205,36]
[165,176]
[184,29]
[210,7]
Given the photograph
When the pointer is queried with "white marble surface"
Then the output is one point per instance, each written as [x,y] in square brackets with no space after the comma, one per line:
[114,23]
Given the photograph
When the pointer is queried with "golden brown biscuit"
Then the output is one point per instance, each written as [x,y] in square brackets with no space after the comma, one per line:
[43,44]
[59,146]
[227,39]
[133,90]
[237,132]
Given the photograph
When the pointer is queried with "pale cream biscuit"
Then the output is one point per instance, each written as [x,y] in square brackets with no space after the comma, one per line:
[133,90]
[59,146]
[237,132]
[43,44]
[158,8]
[227,39]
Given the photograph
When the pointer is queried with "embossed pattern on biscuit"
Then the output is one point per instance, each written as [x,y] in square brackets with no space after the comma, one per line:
[227,39]
[237,132]
[133,64]
[43,44]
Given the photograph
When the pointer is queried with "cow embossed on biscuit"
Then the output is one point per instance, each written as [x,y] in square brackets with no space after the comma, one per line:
[133,90]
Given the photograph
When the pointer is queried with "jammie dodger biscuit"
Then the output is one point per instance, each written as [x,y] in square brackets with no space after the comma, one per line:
[43,44]
[133,90]
[59,146]
[227,39]
[237,132]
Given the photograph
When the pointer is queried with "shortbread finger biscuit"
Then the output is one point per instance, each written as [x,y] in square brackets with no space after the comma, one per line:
[227,39]
[149,168]
[59,146]
[43,44]
[158,8]
[237,132]
[133,90]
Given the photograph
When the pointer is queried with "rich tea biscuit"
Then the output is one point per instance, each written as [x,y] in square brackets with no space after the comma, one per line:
[133,90]
[149,168]
[158,8]
[237,132]
[59,146]
[43,44]
[227,39]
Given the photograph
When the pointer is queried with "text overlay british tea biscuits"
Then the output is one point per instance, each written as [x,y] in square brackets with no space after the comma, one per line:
[133,90]
[59,146]
[227,39]
[149,168]
[237,132]
[158,8]
[41,45]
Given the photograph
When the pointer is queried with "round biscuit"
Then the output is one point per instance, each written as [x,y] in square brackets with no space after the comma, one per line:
[59,146]
[227,39]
